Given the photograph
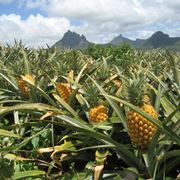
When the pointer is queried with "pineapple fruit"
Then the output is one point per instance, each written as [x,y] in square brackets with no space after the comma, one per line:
[98,111]
[23,87]
[98,114]
[117,83]
[64,91]
[140,129]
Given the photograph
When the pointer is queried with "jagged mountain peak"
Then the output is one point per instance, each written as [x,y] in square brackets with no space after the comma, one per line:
[72,40]
[159,34]
[159,39]
[70,34]
[83,37]
[119,39]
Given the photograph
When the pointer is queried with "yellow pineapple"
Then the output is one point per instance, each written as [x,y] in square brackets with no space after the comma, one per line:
[98,114]
[140,129]
[64,91]
[117,83]
[23,87]
[98,111]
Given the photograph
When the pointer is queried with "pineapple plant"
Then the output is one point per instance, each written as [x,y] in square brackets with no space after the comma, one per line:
[23,87]
[117,83]
[98,112]
[44,121]
[140,129]
[64,91]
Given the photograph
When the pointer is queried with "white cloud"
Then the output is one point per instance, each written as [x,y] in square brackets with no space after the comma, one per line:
[97,11]
[103,19]
[172,4]
[144,34]
[100,20]
[35,30]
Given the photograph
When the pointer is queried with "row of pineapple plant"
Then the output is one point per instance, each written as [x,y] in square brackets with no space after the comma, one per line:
[68,115]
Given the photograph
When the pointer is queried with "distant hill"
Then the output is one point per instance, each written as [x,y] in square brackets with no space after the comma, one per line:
[157,40]
[72,40]
[160,40]
[120,39]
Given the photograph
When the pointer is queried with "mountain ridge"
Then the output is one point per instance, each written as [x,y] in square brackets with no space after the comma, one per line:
[159,39]
[72,40]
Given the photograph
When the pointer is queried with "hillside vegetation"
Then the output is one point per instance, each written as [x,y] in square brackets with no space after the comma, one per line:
[99,113]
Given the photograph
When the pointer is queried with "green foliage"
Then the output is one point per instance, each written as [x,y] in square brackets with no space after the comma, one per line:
[41,135]
[122,56]
[6,169]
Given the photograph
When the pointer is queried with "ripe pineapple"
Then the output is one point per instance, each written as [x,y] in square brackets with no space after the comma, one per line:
[23,85]
[98,111]
[64,91]
[140,129]
[117,83]
[98,114]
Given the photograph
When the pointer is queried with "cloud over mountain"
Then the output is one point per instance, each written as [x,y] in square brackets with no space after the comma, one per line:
[98,20]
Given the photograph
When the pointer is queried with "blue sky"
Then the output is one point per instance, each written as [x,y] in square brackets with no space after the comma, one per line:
[19,9]
[40,22]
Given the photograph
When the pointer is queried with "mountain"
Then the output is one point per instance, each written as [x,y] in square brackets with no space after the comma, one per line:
[157,40]
[120,39]
[72,40]
[160,40]
[139,42]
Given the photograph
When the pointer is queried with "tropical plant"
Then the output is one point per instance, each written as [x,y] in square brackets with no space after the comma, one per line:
[104,113]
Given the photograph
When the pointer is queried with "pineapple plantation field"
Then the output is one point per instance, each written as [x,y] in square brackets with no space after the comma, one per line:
[106,113]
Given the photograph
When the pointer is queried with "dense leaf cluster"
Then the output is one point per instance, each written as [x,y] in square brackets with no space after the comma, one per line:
[43,136]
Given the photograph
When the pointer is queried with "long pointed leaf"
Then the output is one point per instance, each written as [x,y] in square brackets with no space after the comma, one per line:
[113,104]
[157,122]
[25,174]
[8,133]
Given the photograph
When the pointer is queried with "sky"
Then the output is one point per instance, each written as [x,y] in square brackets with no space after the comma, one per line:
[41,22]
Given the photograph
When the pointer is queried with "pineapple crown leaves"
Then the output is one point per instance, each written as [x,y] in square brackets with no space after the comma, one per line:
[103,71]
[135,87]
[92,94]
